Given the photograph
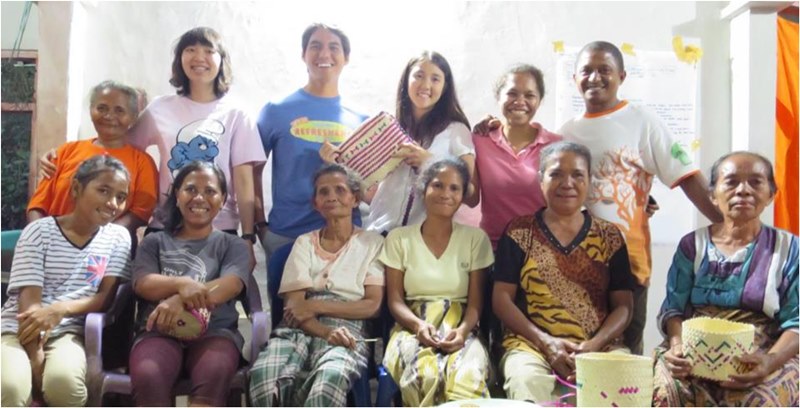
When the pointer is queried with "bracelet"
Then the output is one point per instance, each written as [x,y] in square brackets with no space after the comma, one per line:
[250,237]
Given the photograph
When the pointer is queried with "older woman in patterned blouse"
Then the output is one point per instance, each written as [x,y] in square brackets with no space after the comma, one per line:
[739,270]
[563,283]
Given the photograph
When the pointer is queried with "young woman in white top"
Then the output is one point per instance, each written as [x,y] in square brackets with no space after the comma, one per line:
[428,110]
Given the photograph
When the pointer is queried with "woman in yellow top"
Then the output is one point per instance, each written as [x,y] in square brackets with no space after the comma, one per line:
[435,272]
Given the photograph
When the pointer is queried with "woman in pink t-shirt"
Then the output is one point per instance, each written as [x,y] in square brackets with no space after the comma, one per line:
[507,157]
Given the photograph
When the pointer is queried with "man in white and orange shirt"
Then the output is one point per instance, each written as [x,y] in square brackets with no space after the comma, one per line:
[629,146]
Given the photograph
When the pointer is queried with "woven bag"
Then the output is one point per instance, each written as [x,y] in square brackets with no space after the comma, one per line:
[713,343]
[613,380]
[370,150]
[191,324]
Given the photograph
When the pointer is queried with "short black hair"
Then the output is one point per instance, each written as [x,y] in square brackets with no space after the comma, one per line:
[529,69]
[209,38]
[603,46]
[563,146]
[714,177]
[310,30]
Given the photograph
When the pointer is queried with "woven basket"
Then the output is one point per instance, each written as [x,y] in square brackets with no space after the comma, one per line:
[713,343]
[614,380]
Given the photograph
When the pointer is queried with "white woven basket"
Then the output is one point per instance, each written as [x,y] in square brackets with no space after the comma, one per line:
[713,343]
[614,379]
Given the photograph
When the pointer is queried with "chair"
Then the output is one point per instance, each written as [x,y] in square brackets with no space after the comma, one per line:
[388,391]
[101,380]
[277,261]
[360,390]
[8,239]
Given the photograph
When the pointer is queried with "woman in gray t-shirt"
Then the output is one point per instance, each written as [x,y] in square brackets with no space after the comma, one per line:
[188,266]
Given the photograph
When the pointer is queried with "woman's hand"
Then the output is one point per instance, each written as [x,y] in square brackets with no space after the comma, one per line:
[340,336]
[33,322]
[486,125]
[193,293]
[559,353]
[47,164]
[761,366]
[297,313]
[165,315]
[413,154]
[588,346]
[328,152]
[678,366]
[452,342]
[427,335]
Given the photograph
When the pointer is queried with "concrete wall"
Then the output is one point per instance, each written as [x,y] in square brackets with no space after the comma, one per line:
[131,42]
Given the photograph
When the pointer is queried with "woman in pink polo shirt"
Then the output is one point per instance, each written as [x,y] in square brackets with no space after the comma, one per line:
[507,158]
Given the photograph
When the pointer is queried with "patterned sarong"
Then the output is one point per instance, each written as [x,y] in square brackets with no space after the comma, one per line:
[779,388]
[296,369]
[427,376]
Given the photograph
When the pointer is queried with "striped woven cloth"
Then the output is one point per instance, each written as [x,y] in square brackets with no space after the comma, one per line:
[370,150]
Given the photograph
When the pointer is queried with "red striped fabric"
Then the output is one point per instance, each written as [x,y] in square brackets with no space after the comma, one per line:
[370,149]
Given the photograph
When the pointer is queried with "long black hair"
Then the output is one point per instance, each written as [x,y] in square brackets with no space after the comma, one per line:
[172,216]
[446,110]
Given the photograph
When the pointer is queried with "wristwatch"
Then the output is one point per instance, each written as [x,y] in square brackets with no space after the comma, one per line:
[250,237]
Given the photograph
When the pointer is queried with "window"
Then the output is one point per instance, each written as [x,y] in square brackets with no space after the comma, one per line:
[18,116]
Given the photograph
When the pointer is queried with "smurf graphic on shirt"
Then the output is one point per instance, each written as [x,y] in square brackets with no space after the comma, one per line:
[196,141]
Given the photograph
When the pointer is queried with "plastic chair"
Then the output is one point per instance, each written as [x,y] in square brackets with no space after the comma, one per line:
[8,241]
[359,390]
[388,391]
[277,261]
[101,380]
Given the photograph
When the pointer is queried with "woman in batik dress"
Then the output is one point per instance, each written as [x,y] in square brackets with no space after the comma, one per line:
[739,270]
[562,283]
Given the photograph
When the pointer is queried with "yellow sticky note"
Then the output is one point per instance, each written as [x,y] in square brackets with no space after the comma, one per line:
[677,46]
[695,145]
[689,54]
[693,53]
[627,48]
[558,46]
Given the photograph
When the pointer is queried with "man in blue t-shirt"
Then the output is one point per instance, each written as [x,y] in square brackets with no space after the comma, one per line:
[295,129]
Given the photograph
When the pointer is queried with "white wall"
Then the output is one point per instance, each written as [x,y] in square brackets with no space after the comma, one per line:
[11,13]
[132,42]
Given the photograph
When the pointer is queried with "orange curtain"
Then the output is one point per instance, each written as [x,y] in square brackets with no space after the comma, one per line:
[786,124]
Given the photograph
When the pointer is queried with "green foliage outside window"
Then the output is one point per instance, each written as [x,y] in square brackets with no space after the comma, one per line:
[17,88]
